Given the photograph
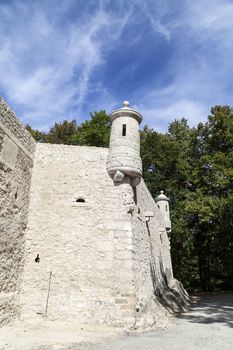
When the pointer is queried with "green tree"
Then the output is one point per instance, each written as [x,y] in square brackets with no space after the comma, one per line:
[62,133]
[165,166]
[207,206]
[159,158]
[39,136]
[94,132]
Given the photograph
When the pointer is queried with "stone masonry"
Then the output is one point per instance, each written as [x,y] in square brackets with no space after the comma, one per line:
[17,149]
[94,248]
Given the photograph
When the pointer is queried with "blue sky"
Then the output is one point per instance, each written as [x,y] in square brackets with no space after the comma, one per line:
[63,59]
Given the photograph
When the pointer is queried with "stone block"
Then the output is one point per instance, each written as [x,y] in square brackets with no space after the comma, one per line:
[127,307]
[9,151]
[121,301]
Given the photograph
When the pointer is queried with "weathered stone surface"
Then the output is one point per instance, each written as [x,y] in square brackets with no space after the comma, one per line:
[15,175]
[106,261]
[88,248]
[124,148]
[9,151]
[11,125]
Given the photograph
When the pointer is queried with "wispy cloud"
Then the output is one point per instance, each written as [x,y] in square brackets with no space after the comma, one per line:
[154,12]
[200,68]
[46,63]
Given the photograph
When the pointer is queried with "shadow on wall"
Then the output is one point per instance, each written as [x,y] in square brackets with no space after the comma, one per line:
[216,308]
[168,291]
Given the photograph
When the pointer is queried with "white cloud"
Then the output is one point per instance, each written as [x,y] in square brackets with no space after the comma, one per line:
[210,14]
[154,12]
[201,68]
[159,117]
[45,67]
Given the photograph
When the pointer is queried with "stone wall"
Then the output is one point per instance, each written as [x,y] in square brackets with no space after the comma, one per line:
[157,292]
[151,259]
[91,253]
[16,160]
[87,248]
[86,245]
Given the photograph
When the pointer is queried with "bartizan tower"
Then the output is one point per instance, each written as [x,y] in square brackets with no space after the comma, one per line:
[124,148]
[163,206]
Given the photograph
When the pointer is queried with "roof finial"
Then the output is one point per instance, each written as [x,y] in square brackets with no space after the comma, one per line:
[126,104]
[161,197]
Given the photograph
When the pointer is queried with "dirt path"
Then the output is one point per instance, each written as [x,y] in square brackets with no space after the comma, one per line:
[208,325]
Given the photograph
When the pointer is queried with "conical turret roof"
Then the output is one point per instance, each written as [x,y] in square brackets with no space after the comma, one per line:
[162,197]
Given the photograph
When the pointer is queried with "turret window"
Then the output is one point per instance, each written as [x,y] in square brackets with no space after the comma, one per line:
[124,130]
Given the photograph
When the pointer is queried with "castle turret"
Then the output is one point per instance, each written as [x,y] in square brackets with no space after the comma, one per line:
[124,149]
[163,205]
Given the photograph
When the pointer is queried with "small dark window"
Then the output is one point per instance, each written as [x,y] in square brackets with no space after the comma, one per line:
[80,200]
[124,130]
[166,207]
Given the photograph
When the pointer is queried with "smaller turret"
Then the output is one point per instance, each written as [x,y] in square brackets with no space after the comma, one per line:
[163,205]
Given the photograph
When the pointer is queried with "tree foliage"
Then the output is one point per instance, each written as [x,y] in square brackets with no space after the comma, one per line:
[195,168]
[39,136]
[62,133]
[93,132]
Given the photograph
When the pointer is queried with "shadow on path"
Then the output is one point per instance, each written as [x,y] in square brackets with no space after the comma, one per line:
[207,326]
[215,308]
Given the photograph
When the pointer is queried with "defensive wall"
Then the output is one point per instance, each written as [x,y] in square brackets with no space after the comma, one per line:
[76,245]
[17,149]
[98,250]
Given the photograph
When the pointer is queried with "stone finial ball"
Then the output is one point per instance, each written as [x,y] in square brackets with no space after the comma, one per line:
[126,104]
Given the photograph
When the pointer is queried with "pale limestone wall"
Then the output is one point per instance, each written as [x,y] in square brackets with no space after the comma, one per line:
[87,246]
[11,125]
[110,261]
[151,259]
[16,161]
[100,254]
[157,291]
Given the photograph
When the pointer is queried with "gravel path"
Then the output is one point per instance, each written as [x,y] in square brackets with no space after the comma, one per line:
[208,325]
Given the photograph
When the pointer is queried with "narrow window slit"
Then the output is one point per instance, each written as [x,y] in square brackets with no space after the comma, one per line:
[124,130]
